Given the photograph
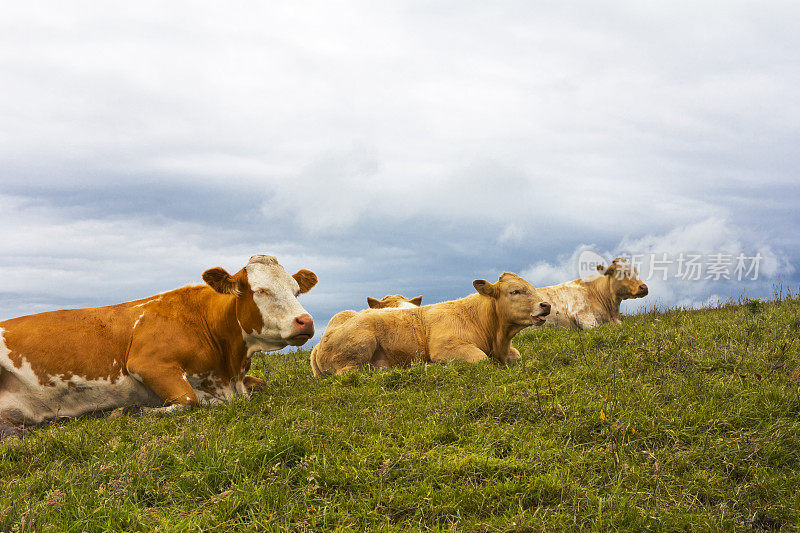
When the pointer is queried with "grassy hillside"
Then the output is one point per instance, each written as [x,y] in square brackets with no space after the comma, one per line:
[673,420]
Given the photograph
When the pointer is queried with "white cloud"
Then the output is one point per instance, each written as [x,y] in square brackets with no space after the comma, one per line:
[512,233]
[104,261]
[565,268]
[654,253]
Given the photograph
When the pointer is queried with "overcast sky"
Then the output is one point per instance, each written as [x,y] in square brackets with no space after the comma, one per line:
[405,147]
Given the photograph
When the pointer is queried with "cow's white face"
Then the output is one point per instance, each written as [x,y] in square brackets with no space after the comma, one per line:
[267,308]
[275,294]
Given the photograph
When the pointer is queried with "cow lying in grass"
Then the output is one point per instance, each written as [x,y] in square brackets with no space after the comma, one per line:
[168,351]
[586,303]
[472,329]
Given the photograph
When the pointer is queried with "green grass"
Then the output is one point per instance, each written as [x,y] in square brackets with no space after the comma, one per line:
[676,420]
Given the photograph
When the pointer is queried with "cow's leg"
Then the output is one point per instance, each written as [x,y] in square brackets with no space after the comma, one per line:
[9,431]
[586,321]
[168,381]
[313,360]
[468,353]
[341,371]
[512,357]
[253,384]
[380,364]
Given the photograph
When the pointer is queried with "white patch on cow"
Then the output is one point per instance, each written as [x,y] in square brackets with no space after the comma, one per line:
[154,299]
[275,294]
[194,381]
[390,309]
[222,390]
[255,344]
[138,319]
[31,402]
[226,390]
[400,306]
[24,373]
[567,300]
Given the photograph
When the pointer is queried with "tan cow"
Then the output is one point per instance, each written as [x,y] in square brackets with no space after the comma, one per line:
[170,350]
[589,302]
[471,329]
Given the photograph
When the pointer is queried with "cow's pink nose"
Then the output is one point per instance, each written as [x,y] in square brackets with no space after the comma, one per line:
[304,324]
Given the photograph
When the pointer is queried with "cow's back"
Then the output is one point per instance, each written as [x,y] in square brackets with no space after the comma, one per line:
[64,363]
[567,300]
[402,334]
[89,343]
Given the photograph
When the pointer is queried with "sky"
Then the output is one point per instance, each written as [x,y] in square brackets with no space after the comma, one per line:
[393,147]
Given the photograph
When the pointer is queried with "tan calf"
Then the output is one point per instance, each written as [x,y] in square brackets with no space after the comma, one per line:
[389,301]
[471,329]
[586,303]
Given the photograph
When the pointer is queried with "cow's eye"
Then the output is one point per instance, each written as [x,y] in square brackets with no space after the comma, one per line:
[262,291]
[517,291]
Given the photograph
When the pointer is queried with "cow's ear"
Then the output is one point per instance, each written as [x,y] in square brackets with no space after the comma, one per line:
[607,270]
[222,282]
[612,269]
[485,288]
[416,301]
[306,279]
[373,303]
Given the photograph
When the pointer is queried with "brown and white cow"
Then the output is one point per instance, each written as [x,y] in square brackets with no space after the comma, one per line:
[595,300]
[471,329]
[170,350]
